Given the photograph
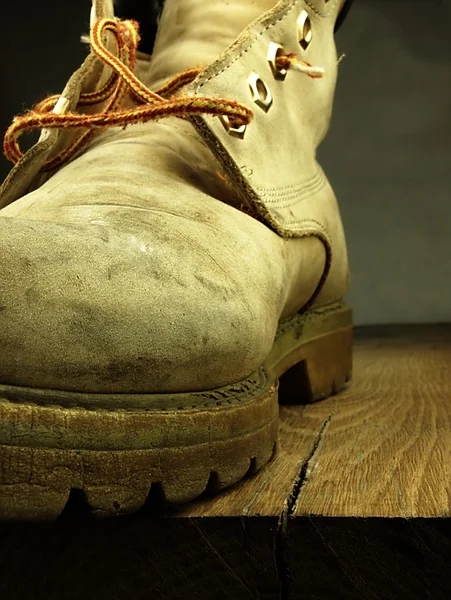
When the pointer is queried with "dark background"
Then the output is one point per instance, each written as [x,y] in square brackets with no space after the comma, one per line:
[388,153]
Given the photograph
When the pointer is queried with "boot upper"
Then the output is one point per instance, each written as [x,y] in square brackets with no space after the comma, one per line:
[132,269]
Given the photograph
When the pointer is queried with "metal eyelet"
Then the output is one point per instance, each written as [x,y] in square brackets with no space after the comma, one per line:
[261,94]
[237,132]
[273,52]
[305,33]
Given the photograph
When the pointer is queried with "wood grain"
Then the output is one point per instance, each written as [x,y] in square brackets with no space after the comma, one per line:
[387,449]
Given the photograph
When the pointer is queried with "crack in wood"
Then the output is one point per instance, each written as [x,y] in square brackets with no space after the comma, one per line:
[289,507]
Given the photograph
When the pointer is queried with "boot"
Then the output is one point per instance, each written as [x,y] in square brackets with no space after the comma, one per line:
[171,249]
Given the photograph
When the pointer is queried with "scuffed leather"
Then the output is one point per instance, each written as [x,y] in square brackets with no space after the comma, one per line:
[116,281]
[131,270]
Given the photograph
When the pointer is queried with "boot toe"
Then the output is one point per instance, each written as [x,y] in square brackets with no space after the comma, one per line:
[95,309]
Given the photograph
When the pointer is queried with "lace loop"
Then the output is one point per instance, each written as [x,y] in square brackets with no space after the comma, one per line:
[122,82]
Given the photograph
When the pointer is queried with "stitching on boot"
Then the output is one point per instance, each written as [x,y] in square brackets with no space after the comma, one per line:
[316,11]
[282,200]
[294,186]
[256,382]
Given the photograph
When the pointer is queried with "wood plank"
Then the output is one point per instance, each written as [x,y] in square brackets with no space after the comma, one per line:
[386,451]
[139,558]
[335,558]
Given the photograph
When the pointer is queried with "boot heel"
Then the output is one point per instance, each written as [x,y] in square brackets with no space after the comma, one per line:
[323,367]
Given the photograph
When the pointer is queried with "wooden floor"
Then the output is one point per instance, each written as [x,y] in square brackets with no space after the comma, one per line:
[353,505]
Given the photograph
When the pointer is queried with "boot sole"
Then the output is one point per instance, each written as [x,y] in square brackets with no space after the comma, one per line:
[53,442]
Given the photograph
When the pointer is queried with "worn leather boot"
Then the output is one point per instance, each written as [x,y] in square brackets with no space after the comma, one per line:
[170,251]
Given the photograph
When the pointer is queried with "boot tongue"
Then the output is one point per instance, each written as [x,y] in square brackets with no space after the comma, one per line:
[193,33]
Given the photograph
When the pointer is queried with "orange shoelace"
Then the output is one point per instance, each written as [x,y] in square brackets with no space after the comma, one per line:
[150,105]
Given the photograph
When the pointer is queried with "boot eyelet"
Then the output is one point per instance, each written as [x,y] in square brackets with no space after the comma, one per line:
[237,132]
[261,94]
[273,52]
[305,33]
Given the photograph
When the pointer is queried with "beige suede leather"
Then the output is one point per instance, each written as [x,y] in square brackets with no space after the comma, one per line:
[131,269]
[285,183]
